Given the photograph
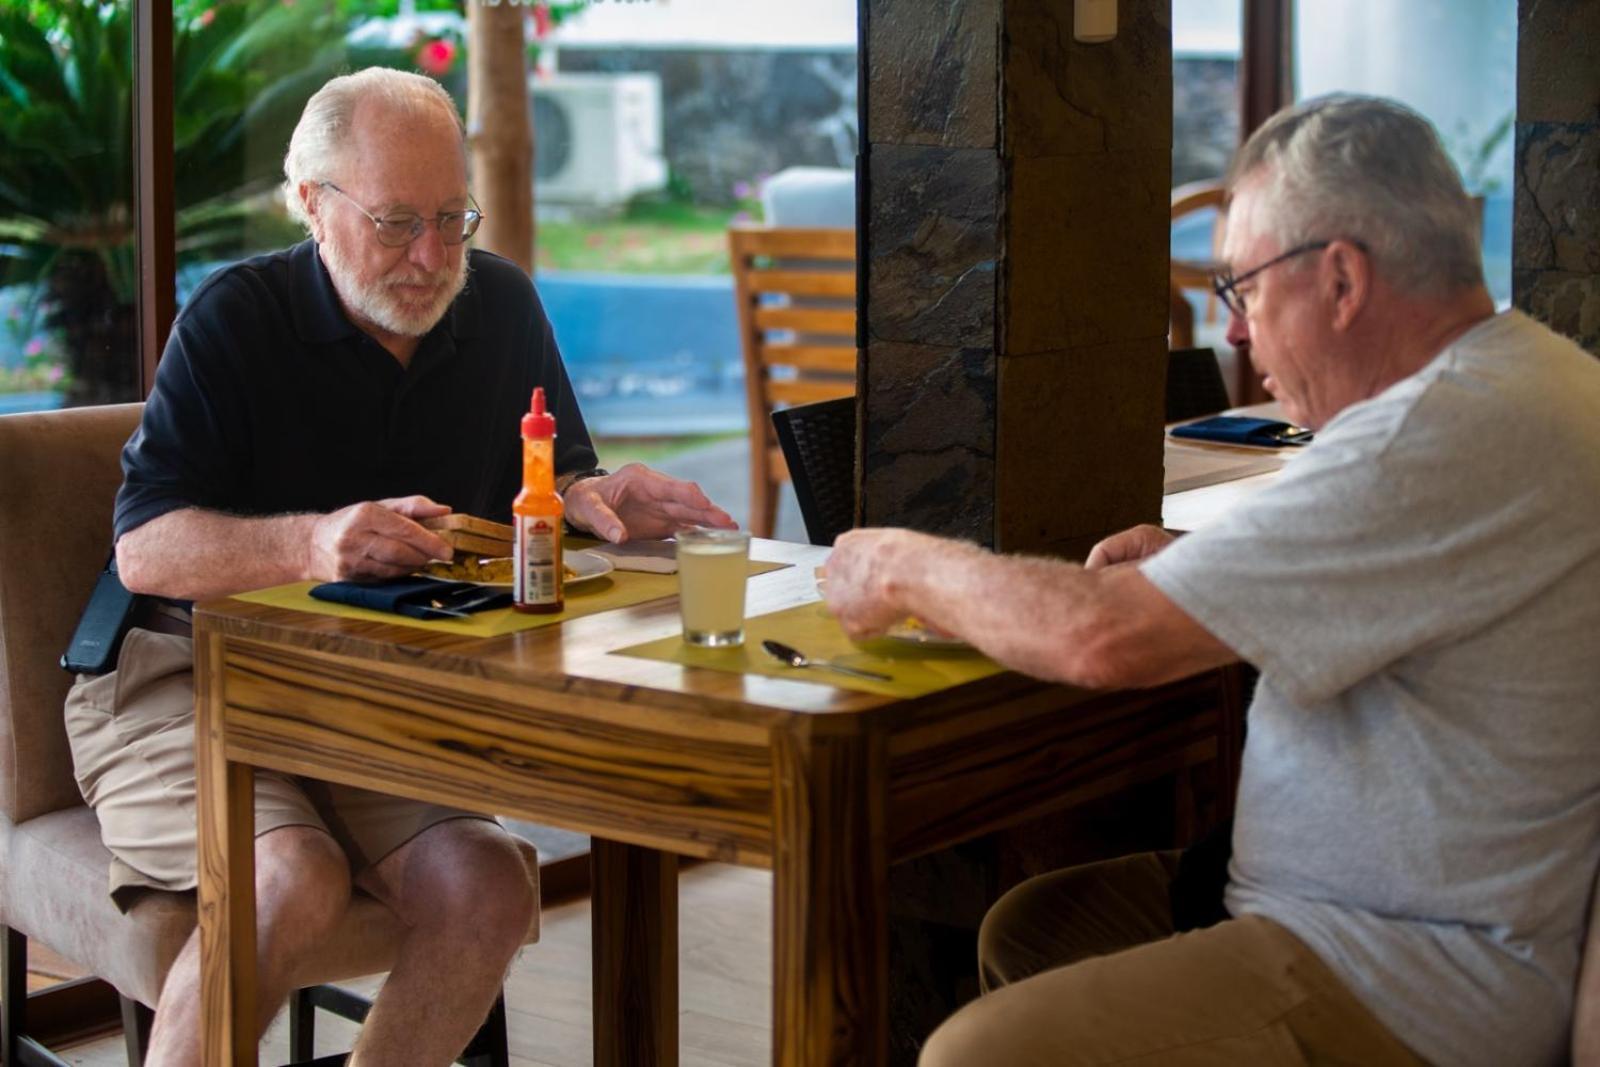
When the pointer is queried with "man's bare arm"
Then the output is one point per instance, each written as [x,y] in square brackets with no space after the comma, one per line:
[1104,628]
[194,554]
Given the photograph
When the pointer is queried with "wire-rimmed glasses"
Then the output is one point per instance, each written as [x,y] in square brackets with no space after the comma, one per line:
[399,228]
[1225,283]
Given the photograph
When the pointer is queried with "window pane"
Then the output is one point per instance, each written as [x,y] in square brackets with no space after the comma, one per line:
[67,273]
[244,70]
[659,125]
[1205,88]
[1452,60]
[1206,38]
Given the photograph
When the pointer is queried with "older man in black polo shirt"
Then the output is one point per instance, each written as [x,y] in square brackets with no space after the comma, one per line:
[310,407]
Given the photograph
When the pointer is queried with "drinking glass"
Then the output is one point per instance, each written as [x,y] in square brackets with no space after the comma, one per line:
[712,568]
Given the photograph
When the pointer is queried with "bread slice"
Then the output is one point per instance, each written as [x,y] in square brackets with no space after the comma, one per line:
[470,535]
[499,531]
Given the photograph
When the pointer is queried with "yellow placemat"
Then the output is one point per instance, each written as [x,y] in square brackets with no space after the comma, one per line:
[619,589]
[915,669]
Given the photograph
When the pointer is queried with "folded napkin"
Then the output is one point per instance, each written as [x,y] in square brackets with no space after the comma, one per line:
[653,557]
[418,598]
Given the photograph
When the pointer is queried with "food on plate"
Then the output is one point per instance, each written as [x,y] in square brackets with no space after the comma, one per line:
[501,569]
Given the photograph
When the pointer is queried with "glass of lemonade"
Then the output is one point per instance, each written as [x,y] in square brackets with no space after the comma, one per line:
[712,568]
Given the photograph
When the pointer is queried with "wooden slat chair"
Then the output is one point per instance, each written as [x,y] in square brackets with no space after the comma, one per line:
[1186,275]
[59,471]
[795,290]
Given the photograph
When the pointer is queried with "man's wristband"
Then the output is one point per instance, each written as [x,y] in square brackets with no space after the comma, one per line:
[592,472]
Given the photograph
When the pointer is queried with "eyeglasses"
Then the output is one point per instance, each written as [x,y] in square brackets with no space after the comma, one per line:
[1226,284]
[402,227]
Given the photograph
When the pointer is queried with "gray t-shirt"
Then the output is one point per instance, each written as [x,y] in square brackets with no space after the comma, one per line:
[1420,589]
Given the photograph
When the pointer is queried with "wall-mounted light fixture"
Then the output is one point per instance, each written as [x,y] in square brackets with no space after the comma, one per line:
[1094,21]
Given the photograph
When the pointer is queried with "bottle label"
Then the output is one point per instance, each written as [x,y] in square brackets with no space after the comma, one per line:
[537,549]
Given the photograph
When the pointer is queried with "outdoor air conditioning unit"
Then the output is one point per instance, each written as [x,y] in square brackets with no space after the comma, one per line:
[597,137]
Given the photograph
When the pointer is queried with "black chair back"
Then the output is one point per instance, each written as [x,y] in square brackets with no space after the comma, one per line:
[819,445]
[1194,384]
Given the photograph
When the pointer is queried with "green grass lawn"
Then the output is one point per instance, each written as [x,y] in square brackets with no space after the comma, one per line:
[614,452]
[650,237]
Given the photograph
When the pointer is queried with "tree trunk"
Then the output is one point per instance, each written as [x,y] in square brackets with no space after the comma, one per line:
[499,131]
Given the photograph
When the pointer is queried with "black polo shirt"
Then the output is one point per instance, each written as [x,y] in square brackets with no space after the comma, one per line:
[269,400]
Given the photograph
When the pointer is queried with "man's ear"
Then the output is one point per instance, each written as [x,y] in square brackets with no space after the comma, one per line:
[310,201]
[1347,275]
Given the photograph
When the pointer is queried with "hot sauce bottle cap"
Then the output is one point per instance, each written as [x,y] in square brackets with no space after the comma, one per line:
[537,422]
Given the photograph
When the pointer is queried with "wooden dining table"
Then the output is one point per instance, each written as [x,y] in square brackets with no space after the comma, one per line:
[656,760]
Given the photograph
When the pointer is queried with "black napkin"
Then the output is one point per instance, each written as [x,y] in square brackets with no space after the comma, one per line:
[419,598]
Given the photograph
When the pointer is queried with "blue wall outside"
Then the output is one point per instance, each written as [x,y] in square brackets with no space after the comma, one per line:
[649,354]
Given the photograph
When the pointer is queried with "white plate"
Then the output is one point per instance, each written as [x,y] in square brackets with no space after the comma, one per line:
[585,565]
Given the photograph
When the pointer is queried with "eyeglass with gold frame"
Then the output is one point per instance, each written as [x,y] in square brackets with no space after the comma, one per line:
[400,228]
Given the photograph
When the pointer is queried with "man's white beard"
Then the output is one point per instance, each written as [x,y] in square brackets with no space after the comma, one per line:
[379,304]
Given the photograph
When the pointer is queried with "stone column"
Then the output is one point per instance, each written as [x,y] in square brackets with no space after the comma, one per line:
[1555,245]
[1015,207]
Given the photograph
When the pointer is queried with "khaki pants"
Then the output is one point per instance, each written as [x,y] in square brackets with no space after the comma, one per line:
[1082,967]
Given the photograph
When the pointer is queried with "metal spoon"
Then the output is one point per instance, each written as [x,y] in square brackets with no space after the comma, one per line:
[795,658]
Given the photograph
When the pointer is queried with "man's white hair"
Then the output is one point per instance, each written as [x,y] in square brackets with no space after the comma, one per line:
[1366,169]
[323,130]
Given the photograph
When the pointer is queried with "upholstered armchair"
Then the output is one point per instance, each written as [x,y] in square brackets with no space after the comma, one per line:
[59,472]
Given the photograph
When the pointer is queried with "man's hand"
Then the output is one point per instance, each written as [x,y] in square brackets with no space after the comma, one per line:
[637,502]
[1128,546]
[865,576]
[375,540]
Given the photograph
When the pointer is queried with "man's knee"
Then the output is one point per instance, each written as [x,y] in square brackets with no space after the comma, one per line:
[469,874]
[302,883]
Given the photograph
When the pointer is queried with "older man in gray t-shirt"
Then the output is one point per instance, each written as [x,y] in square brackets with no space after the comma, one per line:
[1420,798]
[1418,819]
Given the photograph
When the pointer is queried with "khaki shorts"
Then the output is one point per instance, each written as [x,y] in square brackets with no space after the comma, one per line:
[132,736]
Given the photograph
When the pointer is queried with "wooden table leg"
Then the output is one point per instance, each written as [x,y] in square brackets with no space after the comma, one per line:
[635,945]
[830,943]
[226,817]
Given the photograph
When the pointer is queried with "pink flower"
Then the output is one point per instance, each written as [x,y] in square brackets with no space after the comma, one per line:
[437,57]
[208,16]
[541,20]
[742,190]
[55,373]
[33,347]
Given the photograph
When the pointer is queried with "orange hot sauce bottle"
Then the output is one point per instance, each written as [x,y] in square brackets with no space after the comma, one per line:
[537,513]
